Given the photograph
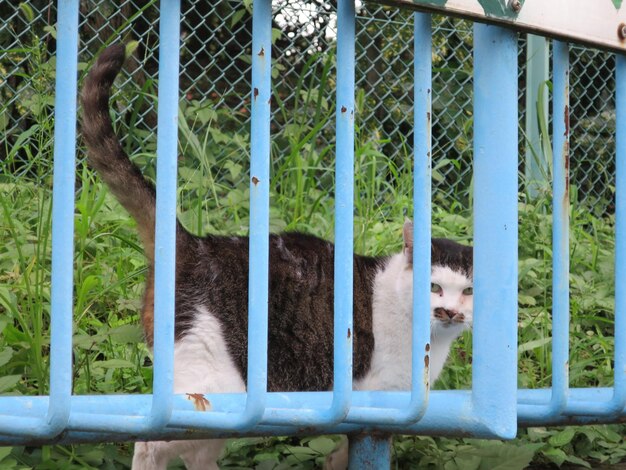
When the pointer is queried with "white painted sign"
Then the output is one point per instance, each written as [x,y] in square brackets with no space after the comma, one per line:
[601,23]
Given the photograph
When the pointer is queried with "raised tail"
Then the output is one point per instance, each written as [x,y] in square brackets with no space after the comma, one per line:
[105,152]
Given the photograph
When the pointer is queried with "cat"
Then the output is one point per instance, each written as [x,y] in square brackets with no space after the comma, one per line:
[211,310]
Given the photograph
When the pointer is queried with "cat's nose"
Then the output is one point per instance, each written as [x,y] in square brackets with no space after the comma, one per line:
[451,313]
[445,314]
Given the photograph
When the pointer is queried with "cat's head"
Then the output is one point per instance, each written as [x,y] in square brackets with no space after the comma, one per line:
[451,288]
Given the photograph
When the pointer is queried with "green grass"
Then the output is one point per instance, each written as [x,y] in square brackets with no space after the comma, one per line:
[109,356]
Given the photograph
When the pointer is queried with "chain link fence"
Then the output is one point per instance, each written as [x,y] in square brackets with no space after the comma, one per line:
[215,86]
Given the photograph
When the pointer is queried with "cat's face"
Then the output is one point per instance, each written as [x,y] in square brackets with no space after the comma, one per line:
[451,301]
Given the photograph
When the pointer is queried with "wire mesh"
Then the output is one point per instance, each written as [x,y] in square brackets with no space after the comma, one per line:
[215,87]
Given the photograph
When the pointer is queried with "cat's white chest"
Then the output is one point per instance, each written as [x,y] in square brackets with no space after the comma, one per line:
[390,368]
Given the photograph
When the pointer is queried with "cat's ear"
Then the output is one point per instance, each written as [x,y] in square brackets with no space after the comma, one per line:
[407,235]
[434,249]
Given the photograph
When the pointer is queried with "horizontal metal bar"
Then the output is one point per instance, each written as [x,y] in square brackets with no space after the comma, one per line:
[449,413]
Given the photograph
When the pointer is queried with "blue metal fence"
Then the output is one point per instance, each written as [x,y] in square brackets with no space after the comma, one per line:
[494,407]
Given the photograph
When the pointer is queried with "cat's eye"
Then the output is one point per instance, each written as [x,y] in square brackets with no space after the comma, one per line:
[468,291]
[435,288]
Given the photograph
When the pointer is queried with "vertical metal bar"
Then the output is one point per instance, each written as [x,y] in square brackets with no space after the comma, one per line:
[165,230]
[495,227]
[560,227]
[370,452]
[415,409]
[536,164]
[59,402]
[63,216]
[421,215]
[619,397]
[344,211]
[259,209]
[560,241]
[615,406]
[258,242]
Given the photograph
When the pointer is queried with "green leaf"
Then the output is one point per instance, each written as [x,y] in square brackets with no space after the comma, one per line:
[324,445]
[537,434]
[51,30]
[8,382]
[276,34]
[236,18]
[536,343]
[127,334]
[562,438]
[27,11]
[505,456]
[578,461]
[610,435]
[6,355]
[131,47]
[113,364]
[4,452]
[556,456]
[263,456]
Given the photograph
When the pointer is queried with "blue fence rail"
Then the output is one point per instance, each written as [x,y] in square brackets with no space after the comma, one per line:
[493,408]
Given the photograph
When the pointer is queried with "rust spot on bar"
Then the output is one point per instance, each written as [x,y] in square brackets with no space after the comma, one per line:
[343,109]
[621,31]
[566,168]
[349,333]
[566,119]
[200,403]
[427,348]
[255,180]
[426,361]
[428,117]
[255,92]
[262,52]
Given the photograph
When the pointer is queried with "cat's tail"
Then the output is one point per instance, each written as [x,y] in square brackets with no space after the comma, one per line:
[105,153]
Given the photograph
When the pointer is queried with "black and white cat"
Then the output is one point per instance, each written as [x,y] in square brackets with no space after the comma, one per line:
[212,289]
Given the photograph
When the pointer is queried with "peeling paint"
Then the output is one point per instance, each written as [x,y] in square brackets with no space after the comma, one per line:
[566,153]
[437,3]
[255,180]
[343,109]
[200,403]
[502,8]
[349,333]
[255,93]
[262,52]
